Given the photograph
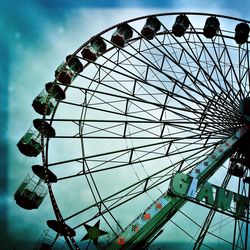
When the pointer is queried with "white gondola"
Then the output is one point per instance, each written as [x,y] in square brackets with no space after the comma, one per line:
[151,27]
[67,71]
[46,101]
[211,27]
[30,193]
[94,49]
[181,25]
[121,35]
[30,143]
[241,33]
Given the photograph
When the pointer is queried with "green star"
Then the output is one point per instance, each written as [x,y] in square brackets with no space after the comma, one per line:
[93,232]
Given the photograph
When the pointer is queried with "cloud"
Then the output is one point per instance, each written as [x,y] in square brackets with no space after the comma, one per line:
[42,34]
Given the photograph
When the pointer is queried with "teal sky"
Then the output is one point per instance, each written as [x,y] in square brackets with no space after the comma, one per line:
[35,37]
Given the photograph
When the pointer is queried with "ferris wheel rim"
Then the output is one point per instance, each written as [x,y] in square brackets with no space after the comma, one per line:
[45,154]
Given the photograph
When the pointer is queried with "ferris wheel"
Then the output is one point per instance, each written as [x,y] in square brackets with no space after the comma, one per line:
[144,135]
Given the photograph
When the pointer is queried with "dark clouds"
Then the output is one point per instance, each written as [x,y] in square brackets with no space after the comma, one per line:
[25,27]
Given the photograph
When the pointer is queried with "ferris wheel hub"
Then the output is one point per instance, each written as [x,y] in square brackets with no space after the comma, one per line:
[245,110]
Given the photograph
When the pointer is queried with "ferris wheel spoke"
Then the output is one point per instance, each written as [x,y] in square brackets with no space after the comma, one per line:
[216,68]
[94,190]
[180,81]
[123,158]
[212,104]
[168,76]
[154,130]
[212,230]
[213,72]
[139,108]
[240,238]
[212,108]
[197,60]
[231,87]
[123,97]
[106,111]
[195,79]
[126,114]
[174,122]
[188,108]
[129,193]
[209,219]
[142,62]
[109,77]
[171,139]
[189,95]
[127,62]
[232,68]
[244,68]
[114,162]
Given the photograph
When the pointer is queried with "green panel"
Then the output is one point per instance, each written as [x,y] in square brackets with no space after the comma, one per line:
[223,199]
[206,192]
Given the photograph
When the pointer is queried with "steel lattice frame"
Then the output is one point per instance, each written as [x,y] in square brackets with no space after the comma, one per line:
[140,113]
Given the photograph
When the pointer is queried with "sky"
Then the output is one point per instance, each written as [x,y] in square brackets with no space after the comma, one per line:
[35,37]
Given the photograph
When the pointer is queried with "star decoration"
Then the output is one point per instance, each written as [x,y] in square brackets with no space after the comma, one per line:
[205,163]
[146,216]
[93,232]
[120,241]
[228,144]
[213,156]
[197,171]
[135,228]
[221,150]
[158,205]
